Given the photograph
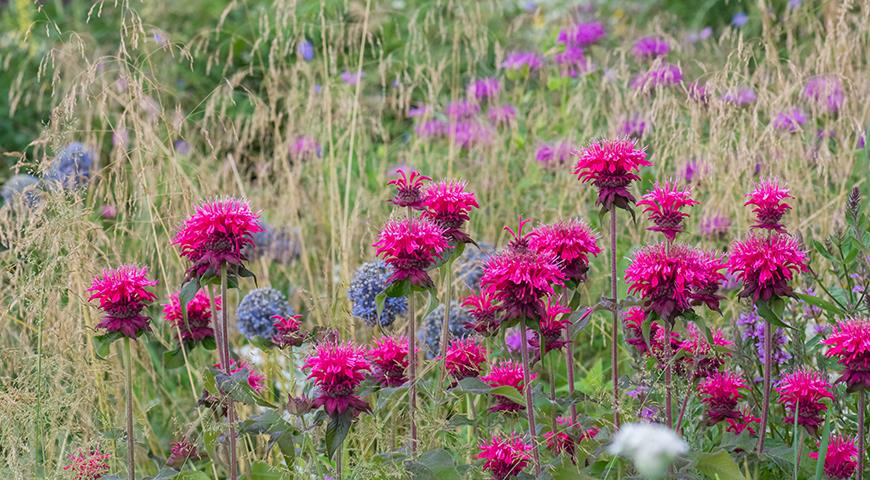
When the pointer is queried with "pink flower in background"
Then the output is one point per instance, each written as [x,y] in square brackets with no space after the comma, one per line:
[766,265]
[432,128]
[698,92]
[582,34]
[502,115]
[304,148]
[742,423]
[255,378]
[505,457]
[662,75]
[567,436]
[90,465]
[650,47]
[389,359]
[633,127]
[849,342]
[740,97]
[123,294]
[198,324]
[841,459]
[721,392]
[554,156]
[287,332]
[664,205]
[418,111]
[352,78]
[610,166]
[767,200]
[216,233]
[572,62]
[633,325]
[337,369]
[470,133]
[571,242]
[465,358]
[409,189]
[790,120]
[484,88]
[411,246]
[715,227]
[825,91]
[108,212]
[483,309]
[461,109]
[805,391]
[448,204]
[530,61]
[510,374]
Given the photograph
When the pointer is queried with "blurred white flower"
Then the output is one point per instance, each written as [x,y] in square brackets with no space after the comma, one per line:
[650,446]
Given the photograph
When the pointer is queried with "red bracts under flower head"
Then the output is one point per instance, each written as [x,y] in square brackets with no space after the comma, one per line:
[765,265]
[215,235]
[743,422]
[88,465]
[448,204]
[850,343]
[484,309]
[805,390]
[841,460]
[198,324]
[409,189]
[663,206]
[123,295]
[505,457]
[389,360]
[287,332]
[554,322]
[465,358]
[571,242]
[255,378]
[633,324]
[705,359]
[519,240]
[337,369]
[768,206]
[411,246]
[518,277]
[721,392]
[565,439]
[506,373]
[610,166]
[671,281]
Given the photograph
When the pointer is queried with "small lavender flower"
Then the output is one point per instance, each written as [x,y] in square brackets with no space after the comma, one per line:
[554,156]
[572,62]
[181,147]
[352,78]
[461,109]
[740,19]
[740,97]
[430,334]
[368,281]
[525,61]
[689,171]
[433,128]
[751,327]
[469,266]
[255,311]
[418,111]
[502,115]
[649,413]
[650,47]
[513,339]
[71,168]
[305,50]
[634,127]
[21,187]
[469,133]
[484,88]
[810,311]
[790,121]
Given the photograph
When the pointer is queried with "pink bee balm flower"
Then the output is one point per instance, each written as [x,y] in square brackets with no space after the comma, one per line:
[502,115]
[198,325]
[663,206]
[506,374]
[519,276]
[484,88]
[215,235]
[650,47]
[721,392]
[582,34]
[553,324]
[88,465]
[789,121]
[337,369]
[448,204]
[705,359]
[826,91]
[633,325]
[743,422]
[123,295]
[409,189]
[505,457]
[841,460]
[304,148]
[287,332]
[805,390]
[465,358]
[411,246]
[571,242]
[849,341]
[483,309]
[765,265]
[768,205]
[256,379]
[610,166]
[461,109]
[565,439]
[389,360]
[181,452]
[572,62]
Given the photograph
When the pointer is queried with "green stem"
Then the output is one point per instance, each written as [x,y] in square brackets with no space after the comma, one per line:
[412,363]
[796,440]
[765,403]
[128,390]
[445,324]
[225,347]
[614,327]
[527,390]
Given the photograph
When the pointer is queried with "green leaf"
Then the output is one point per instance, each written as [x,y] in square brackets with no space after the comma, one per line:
[823,447]
[823,304]
[473,385]
[510,393]
[209,343]
[103,342]
[336,431]
[164,474]
[718,465]
[434,465]
[173,358]
[772,311]
[192,475]
[187,292]
[263,471]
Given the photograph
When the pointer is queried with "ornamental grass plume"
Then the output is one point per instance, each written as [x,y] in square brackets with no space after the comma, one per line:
[123,294]
[766,265]
[448,204]
[721,392]
[484,309]
[505,457]
[411,246]
[465,358]
[215,235]
[409,189]
[663,205]
[197,326]
[841,459]
[804,390]
[389,360]
[337,369]
[506,373]
[572,242]
[768,205]
[610,166]
[90,465]
[287,331]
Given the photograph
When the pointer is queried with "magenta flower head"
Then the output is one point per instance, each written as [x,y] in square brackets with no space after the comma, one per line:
[554,323]
[411,246]
[663,206]
[256,379]
[789,121]
[841,460]
[663,75]
[123,294]
[632,322]
[650,47]
[610,166]
[216,234]
[484,88]
[554,156]
[198,326]
[484,309]
[287,333]
[522,61]
[582,34]
[181,452]
[502,115]
[805,391]
[571,242]
[505,457]
[506,373]
[519,277]
[337,369]
[705,358]
[448,204]
[90,465]
[572,62]
[462,109]
[766,265]
[389,360]
[409,189]
[742,423]
[849,342]
[768,205]
[465,358]
[825,91]
[721,392]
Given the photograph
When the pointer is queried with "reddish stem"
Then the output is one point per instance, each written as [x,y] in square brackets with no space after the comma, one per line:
[765,407]
[614,351]
[527,390]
